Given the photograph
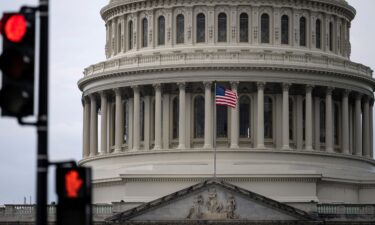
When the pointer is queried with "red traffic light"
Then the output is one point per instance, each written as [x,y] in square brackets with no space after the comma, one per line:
[14,27]
[73,183]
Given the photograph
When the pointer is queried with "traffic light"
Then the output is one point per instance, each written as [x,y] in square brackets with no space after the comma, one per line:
[73,187]
[17,63]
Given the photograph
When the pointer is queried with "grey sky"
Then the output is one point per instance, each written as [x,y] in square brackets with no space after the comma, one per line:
[77,41]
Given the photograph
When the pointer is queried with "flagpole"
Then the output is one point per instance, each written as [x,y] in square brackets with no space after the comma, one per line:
[214,125]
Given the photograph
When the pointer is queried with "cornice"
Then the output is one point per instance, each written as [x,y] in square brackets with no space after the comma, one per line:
[116,8]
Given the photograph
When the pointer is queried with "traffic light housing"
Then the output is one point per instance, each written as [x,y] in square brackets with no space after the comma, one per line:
[17,63]
[73,187]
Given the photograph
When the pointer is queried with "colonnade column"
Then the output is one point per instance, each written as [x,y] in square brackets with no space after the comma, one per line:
[285,121]
[103,131]
[182,115]
[345,122]
[137,121]
[371,129]
[119,115]
[93,126]
[308,118]
[260,115]
[329,121]
[158,119]
[358,126]
[234,120]
[86,127]
[208,129]
[366,128]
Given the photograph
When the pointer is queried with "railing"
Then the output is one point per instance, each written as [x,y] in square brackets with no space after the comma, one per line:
[348,209]
[307,61]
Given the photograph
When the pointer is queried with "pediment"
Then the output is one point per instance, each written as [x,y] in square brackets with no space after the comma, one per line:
[212,201]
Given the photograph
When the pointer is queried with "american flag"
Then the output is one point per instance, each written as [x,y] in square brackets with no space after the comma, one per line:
[226,97]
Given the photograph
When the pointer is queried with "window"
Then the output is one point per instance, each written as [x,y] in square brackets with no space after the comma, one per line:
[244,27]
[302,31]
[142,117]
[265,28]
[199,117]
[322,122]
[318,34]
[291,119]
[175,117]
[331,36]
[130,28]
[180,29]
[268,117]
[222,121]
[285,30]
[161,30]
[222,27]
[144,32]
[119,45]
[201,28]
[245,117]
[338,39]
[336,124]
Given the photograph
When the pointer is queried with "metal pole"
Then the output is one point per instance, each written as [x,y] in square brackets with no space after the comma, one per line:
[42,124]
[214,131]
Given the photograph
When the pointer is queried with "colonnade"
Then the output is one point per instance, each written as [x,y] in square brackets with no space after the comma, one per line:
[356,122]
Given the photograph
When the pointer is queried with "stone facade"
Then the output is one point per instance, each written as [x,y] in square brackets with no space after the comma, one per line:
[302,130]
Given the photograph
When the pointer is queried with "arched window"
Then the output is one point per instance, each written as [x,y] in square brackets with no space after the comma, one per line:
[144,32]
[285,30]
[265,28]
[322,121]
[222,27]
[130,33]
[161,30]
[336,124]
[318,34]
[245,131]
[244,27]
[180,29]
[201,28]
[222,121]
[331,36]
[199,117]
[302,31]
[268,117]
[291,119]
[142,117]
[119,39]
[175,116]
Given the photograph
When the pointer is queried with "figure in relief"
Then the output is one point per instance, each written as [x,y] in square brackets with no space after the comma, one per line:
[196,210]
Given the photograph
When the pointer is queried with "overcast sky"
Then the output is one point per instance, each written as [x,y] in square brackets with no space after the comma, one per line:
[77,41]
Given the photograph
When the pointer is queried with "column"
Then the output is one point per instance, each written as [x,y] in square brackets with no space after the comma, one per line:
[130,131]
[103,131]
[371,129]
[86,127]
[119,116]
[208,128]
[358,126]
[158,119]
[285,121]
[182,112]
[317,123]
[345,122]
[260,122]
[137,121]
[147,118]
[366,128]
[308,118]
[93,126]
[234,120]
[329,121]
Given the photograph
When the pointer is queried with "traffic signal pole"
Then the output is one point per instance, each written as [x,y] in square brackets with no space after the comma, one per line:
[42,124]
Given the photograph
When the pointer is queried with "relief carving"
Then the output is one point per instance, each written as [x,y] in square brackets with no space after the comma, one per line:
[213,208]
